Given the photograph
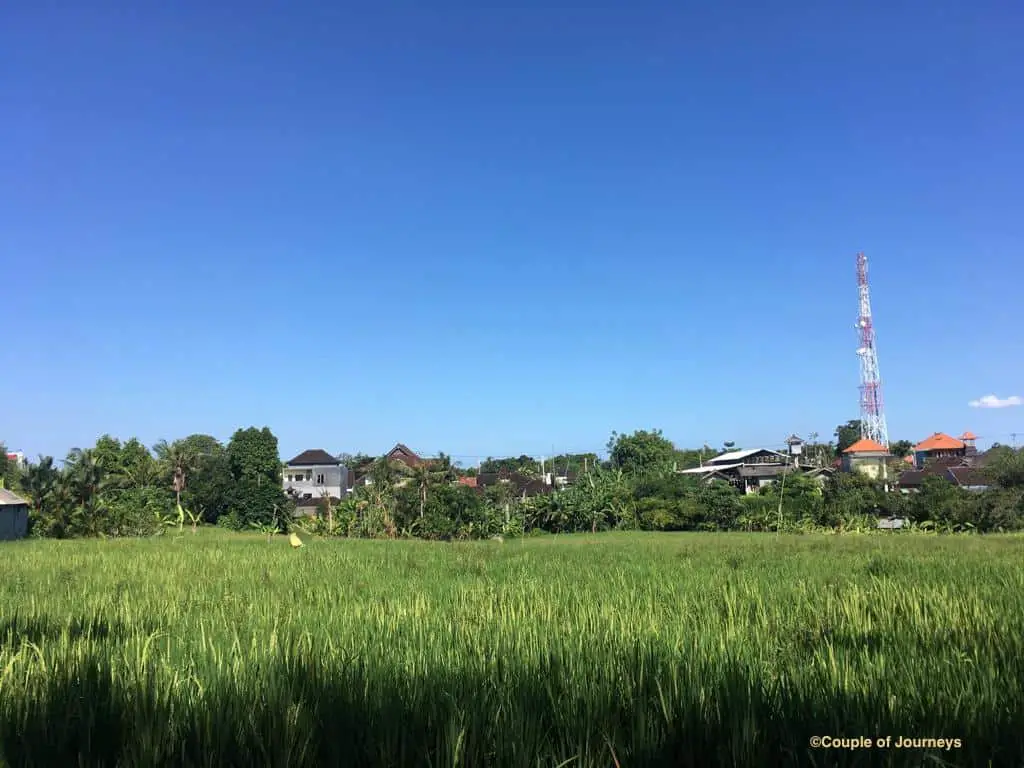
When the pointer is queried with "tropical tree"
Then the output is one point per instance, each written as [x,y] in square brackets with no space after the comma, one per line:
[423,479]
[643,452]
[847,434]
[39,482]
[179,460]
[901,448]
[85,479]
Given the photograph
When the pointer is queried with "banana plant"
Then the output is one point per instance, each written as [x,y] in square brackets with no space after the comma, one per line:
[270,529]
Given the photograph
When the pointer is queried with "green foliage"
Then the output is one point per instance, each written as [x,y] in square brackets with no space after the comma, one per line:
[208,492]
[121,489]
[1006,467]
[253,454]
[847,434]
[256,496]
[688,458]
[642,452]
[901,448]
[523,464]
[10,473]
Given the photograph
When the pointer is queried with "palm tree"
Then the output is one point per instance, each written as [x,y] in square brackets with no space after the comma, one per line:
[85,475]
[423,476]
[179,460]
[39,482]
[62,501]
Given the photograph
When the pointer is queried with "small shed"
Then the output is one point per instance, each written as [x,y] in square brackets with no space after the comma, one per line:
[13,516]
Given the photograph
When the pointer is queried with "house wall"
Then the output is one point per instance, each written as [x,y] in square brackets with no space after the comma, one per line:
[334,480]
[13,522]
[872,466]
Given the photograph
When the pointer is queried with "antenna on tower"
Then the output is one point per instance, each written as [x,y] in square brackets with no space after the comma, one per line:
[872,412]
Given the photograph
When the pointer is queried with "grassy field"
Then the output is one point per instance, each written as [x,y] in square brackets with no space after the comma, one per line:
[636,649]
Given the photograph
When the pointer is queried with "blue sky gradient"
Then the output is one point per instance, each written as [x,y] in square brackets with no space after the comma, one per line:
[496,231]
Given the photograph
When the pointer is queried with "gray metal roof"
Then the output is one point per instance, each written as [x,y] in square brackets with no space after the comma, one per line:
[707,468]
[739,456]
[6,498]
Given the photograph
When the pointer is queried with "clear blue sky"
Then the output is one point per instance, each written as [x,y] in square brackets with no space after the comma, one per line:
[501,231]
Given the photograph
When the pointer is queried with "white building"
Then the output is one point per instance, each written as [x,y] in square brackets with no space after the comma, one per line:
[315,474]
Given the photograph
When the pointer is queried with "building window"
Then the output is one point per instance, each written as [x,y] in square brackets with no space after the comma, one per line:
[319,479]
[309,476]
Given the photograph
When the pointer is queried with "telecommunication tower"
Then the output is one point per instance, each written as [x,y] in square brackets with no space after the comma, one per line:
[872,412]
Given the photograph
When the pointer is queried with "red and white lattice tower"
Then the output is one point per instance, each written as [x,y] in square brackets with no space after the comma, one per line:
[872,413]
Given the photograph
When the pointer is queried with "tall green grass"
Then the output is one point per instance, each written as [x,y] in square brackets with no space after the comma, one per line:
[641,649]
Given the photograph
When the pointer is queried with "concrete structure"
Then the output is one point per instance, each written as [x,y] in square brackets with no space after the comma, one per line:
[13,516]
[867,457]
[315,474]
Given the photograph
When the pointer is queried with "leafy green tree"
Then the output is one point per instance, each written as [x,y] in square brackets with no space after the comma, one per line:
[1006,468]
[643,452]
[209,490]
[576,463]
[178,461]
[688,458]
[86,479]
[253,453]
[846,494]
[256,502]
[358,464]
[107,454]
[443,469]
[943,503]
[10,473]
[901,448]
[257,496]
[522,464]
[40,480]
[721,505]
[847,434]
[423,479]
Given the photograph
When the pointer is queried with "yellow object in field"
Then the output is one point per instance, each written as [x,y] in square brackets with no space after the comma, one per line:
[294,540]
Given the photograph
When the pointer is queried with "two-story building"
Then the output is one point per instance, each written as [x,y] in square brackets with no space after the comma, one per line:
[940,446]
[314,475]
[749,470]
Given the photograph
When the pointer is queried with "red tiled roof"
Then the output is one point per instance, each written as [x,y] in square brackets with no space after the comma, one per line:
[864,445]
[939,442]
[469,481]
[968,436]
[908,459]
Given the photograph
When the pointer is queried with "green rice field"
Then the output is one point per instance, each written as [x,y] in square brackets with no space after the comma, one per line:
[605,650]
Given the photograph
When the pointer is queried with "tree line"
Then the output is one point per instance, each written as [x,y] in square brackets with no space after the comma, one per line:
[125,489]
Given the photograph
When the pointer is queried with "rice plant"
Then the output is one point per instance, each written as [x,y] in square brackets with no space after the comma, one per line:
[628,649]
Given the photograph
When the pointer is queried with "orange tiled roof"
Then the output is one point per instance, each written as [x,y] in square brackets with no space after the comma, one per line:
[866,446]
[470,481]
[968,435]
[939,442]
[908,459]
